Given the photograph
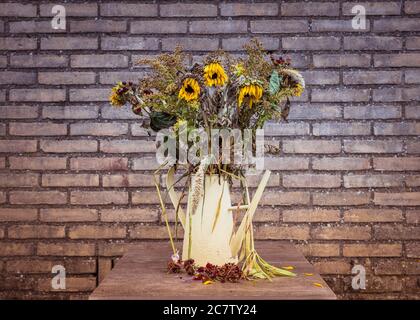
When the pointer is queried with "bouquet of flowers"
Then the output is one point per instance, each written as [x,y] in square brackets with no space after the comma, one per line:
[241,93]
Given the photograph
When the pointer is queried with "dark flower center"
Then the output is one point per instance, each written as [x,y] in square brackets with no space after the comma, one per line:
[214,76]
[189,89]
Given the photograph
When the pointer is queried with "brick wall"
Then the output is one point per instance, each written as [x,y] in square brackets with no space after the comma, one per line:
[75,183]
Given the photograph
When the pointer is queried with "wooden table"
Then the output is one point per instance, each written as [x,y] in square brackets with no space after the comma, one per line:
[141,274]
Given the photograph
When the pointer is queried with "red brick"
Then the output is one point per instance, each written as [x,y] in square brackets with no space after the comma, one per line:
[116,9]
[65,249]
[397,199]
[69,43]
[311,181]
[187,10]
[38,197]
[18,146]
[70,180]
[413,216]
[15,249]
[38,163]
[8,180]
[310,9]
[285,163]
[128,180]
[341,233]
[372,181]
[344,198]
[45,266]
[37,129]
[284,198]
[129,215]
[311,146]
[149,232]
[412,250]
[341,163]
[413,147]
[37,95]
[396,164]
[311,43]
[99,197]
[65,146]
[36,231]
[96,232]
[156,26]
[282,232]
[398,232]
[110,164]
[248,9]
[146,163]
[70,112]
[14,214]
[333,267]
[68,215]
[311,215]
[412,7]
[372,250]
[126,43]
[372,215]
[372,146]
[98,129]
[111,249]
[98,61]
[73,284]
[330,249]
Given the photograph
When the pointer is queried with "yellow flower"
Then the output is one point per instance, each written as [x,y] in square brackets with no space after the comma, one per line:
[190,90]
[214,75]
[297,90]
[252,91]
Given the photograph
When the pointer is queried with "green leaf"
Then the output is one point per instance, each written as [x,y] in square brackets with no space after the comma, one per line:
[161,120]
[274,82]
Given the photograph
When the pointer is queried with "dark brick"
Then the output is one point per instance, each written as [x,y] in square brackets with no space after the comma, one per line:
[310,9]
[72,10]
[13,44]
[107,26]
[396,24]
[137,43]
[341,60]
[372,112]
[16,77]
[66,78]
[372,43]
[15,10]
[372,77]
[99,61]
[158,26]
[190,44]
[311,43]
[37,95]
[38,61]
[248,9]
[372,146]
[279,26]
[188,10]
[340,95]
[218,26]
[128,9]
[237,44]
[69,43]
[70,112]
[374,8]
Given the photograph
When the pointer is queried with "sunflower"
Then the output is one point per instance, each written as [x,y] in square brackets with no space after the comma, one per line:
[252,91]
[297,90]
[190,90]
[118,97]
[214,75]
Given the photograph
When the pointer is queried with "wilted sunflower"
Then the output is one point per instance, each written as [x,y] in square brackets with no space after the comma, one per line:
[190,90]
[252,91]
[119,93]
[214,75]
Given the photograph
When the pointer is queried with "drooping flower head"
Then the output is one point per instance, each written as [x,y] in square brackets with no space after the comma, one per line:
[251,92]
[190,90]
[119,93]
[214,74]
